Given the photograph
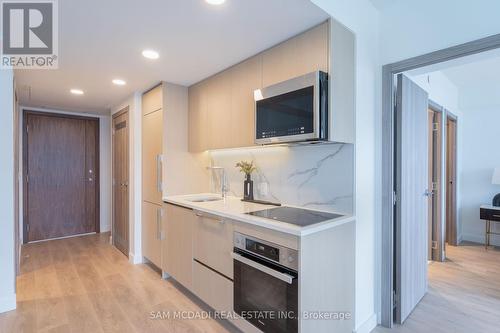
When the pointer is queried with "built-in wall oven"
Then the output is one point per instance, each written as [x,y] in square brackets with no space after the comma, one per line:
[266,284]
[293,111]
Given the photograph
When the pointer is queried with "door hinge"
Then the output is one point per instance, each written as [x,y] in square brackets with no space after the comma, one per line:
[394,198]
[27,178]
[434,245]
[394,299]
[27,129]
[27,227]
[434,186]
[435,127]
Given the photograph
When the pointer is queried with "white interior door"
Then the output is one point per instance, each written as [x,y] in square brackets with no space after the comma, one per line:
[411,225]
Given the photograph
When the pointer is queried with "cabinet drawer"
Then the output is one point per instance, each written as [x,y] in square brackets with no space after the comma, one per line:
[213,242]
[490,214]
[152,100]
[212,288]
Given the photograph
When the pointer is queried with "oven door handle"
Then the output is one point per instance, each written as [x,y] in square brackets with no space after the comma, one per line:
[282,276]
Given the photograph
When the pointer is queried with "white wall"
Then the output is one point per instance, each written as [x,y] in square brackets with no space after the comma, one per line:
[412,28]
[479,157]
[134,103]
[363,19]
[104,164]
[7,253]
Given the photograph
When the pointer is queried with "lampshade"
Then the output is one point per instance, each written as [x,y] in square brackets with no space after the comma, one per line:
[495,180]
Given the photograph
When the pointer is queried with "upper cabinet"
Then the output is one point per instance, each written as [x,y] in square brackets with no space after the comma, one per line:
[221,108]
[152,100]
[305,53]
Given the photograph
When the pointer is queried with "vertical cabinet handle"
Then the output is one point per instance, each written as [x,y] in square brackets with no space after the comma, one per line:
[159,233]
[158,173]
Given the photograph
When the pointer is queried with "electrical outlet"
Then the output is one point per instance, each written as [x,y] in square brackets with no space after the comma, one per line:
[263,189]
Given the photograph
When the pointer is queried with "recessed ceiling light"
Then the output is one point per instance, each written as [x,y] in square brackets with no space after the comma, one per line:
[150,54]
[119,82]
[215,2]
[76,91]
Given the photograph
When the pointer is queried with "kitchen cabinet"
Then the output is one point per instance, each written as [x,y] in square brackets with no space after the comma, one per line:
[212,288]
[197,120]
[152,232]
[152,100]
[221,108]
[218,101]
[152,131]
[245,77]
[213,242]
[152,134]
[177,249]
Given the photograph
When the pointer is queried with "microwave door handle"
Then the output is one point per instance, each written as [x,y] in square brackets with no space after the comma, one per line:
[282,276]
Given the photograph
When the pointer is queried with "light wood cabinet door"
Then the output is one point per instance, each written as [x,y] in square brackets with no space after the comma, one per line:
[178,248]
[246,77]
[312,50]
[152,131]
[197,117]
[152,100]
[219,111]
[151,232]
[213,243]
[212,288]
[278,63]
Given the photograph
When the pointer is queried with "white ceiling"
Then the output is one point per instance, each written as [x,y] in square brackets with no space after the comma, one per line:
[102,40]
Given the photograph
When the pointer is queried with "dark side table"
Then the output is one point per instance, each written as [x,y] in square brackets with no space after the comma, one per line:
[490,214]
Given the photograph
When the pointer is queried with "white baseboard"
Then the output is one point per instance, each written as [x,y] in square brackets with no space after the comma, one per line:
[368,325]
[494,240]
[8,303]
[134,259]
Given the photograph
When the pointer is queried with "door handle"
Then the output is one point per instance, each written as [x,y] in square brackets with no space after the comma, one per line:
[282,276]
[158,173]
[210,217]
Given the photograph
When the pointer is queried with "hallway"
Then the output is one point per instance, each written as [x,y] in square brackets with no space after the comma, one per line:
[463,295]
[83,284]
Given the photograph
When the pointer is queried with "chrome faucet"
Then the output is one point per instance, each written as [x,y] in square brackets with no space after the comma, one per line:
[224,187]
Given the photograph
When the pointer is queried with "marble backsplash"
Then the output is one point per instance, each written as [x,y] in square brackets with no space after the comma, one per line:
[317,176]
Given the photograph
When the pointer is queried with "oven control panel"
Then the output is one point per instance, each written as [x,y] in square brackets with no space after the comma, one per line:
[279,254]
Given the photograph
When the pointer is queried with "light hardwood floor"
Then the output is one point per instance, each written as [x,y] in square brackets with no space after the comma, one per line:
[83,284]
[463,296]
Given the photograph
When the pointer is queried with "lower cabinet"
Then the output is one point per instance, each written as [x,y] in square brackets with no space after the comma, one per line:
[212,288]
[213,242]
[151,232]
[177,249]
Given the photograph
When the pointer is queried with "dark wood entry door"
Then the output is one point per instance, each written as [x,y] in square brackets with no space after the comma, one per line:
[61,186]
[120,181]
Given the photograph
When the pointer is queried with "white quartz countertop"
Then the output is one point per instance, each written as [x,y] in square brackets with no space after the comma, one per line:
[234,208]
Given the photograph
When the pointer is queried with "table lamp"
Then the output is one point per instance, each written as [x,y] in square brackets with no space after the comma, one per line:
[495,180]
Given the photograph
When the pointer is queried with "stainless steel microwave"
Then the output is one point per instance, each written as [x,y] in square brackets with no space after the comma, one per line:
[295,110]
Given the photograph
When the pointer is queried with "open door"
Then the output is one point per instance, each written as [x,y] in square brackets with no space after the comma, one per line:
[411,208]
[451,184]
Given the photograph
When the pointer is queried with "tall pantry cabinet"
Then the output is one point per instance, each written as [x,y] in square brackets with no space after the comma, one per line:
[152,180]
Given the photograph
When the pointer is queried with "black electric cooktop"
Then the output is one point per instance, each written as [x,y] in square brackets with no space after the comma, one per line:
[296,216]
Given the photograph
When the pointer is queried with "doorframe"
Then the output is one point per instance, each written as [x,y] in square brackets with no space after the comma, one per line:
[388,140]
[439,253]
[27,111]
[124,110]
[450,115]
